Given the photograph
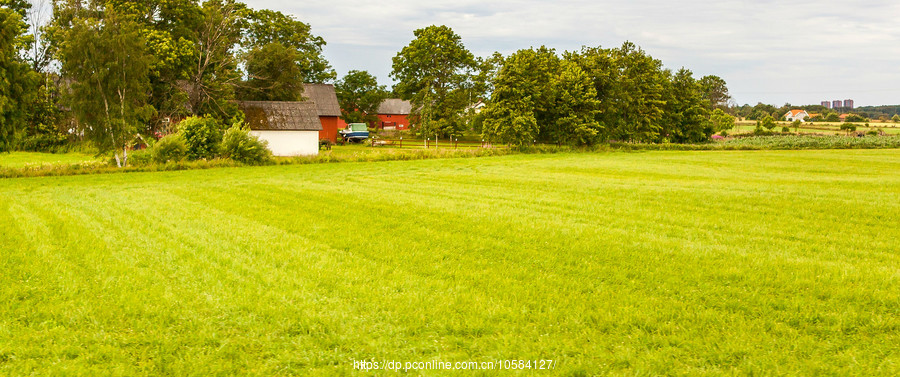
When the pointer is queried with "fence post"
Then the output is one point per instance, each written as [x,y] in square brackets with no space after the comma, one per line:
[427,139]
[401,142]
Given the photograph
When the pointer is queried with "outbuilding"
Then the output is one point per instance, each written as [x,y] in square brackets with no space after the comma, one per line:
[327,109]
[393,114]
[291,128]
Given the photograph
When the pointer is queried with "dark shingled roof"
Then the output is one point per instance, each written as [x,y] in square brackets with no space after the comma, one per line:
[324,97]
[281,115]
[395,106]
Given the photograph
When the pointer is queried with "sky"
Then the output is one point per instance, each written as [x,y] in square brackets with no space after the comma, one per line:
[776,52]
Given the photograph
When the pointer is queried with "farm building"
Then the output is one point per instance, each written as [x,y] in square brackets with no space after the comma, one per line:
[290,128]
[327,109]
[393,114]
[793,115]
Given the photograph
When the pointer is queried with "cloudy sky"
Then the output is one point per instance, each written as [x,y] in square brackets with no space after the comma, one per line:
[800,52]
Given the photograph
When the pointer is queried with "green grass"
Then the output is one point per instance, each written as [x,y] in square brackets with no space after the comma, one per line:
[745,127]
[693,263]
[36,159]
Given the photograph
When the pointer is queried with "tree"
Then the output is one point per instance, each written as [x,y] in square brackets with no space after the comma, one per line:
[107,60]
[433,72]
[687,115]
[359,96]
[832,117]
[721,121]
[855,118]
[573,109]
[171,32]
[796,124]
[537,95]
[849,127]
[768,122]
[273,74]
[630,86]
[214,75]
[17,80]
[268,26]
[715,91]
[895,118]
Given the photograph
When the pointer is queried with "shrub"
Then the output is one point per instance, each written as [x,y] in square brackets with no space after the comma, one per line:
[239,145]
[169,148]
[855,118]
[201,136]
[872,133]
[785,129]
[140,157]
[768,122]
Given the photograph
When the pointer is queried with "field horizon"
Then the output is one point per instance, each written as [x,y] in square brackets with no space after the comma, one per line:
[663,262]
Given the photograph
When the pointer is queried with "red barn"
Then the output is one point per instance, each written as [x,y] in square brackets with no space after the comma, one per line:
[393,114]
[327,107]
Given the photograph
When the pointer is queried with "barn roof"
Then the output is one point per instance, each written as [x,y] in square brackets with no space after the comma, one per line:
[395,106]
[324,97]
[281,115]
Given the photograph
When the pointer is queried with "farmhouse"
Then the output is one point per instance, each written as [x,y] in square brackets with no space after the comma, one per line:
[793,115]
[291,128]
[327,108]
[393,114]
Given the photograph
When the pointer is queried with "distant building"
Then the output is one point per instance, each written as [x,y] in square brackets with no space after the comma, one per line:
[393,114]
[793,115]
[826,104]
[836,104]
[848,103]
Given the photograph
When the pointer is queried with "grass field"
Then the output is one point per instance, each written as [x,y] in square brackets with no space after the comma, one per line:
[23,159]
[650,263]
[744,127]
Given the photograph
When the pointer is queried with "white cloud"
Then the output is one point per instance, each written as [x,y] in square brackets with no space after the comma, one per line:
[769,51]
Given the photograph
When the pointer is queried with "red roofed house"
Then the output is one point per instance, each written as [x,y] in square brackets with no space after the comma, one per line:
[327,108]
[793,115]
[393,114]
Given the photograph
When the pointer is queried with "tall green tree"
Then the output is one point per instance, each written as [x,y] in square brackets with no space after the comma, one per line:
[17,80]
[715,91]
[434,73]
[537,95]
[214,74]
[721,121]
[108,61]
[687,113]
[272,74]
[268,26]
[359,96]
[630,85]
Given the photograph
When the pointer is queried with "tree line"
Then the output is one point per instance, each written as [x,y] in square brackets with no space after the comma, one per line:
[113,71]
[539,95]
[110,70]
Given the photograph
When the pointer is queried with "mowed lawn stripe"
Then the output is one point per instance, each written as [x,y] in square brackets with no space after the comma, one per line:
[708,262]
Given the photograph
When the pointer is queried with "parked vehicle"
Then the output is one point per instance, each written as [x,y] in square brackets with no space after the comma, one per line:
[355,132]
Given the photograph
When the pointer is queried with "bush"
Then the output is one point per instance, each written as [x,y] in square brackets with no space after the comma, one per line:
[854,118]
[141,157]
[169,148]
[201,136]
[239,145]
[785,129]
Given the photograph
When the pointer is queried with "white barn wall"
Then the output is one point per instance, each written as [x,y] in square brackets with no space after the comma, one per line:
[291,143]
